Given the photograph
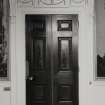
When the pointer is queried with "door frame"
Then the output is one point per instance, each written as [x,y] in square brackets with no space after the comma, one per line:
[20,49]
[74,49]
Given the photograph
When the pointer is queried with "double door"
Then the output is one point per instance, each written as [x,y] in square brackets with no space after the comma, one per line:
[51,60]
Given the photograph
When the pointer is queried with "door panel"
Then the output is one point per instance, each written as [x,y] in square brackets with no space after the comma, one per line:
[38,81]
[51,53]
[64,79]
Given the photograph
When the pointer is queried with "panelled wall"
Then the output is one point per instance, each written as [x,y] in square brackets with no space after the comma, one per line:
[91,91]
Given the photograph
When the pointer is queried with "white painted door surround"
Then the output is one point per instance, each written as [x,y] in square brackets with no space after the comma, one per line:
[20,54]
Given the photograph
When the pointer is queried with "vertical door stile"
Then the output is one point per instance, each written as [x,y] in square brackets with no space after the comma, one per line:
[52,57]
[49,53]
[75,59]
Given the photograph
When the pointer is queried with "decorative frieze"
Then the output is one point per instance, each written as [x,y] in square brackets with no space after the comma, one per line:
[51,3]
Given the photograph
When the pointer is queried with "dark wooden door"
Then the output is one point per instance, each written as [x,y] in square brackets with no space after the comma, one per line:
[51,60]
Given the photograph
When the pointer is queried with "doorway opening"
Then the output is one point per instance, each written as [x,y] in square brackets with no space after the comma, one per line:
[51,59]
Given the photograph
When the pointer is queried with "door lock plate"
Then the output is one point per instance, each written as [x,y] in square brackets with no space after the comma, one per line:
[7,88]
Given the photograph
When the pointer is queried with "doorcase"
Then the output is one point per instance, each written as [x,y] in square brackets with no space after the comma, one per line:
[51,59]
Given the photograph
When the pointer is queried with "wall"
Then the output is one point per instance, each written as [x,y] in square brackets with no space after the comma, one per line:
[100,26]
[91,92]
[97,88]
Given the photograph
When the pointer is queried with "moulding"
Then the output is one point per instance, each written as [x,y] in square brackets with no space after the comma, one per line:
[26,3]
[12,7]
[79,2]
[12,19]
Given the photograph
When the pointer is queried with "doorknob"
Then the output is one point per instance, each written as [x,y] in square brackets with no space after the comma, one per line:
[31,78]
[7,88]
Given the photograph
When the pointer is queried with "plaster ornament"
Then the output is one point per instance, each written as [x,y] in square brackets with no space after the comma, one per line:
[27,1]
[78,1]
[52,2]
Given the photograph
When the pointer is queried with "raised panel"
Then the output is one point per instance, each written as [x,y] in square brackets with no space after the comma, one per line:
[65,103]
[65,93]
[36,25]
[65,53]
[64,25]
[64,77]
[39,53]
[39,94]
[39,91]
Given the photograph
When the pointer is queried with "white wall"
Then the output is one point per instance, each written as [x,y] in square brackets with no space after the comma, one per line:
[97,88]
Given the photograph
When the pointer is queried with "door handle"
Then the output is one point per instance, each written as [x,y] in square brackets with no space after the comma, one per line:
[7,88]
[31,78]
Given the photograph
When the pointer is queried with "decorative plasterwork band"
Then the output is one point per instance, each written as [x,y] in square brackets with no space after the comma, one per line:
[51,3]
